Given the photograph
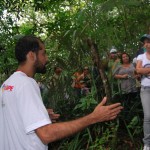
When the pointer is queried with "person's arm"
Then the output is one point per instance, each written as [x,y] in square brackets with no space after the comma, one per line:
[81,77]
[119,76]
[140,69]
[116,74]
[53,132]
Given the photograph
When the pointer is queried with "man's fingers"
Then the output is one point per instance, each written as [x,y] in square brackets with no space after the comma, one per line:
[119,108]
[54,116]
[114,105]
[50,111]
[112,117]
[115,112]
[103,102]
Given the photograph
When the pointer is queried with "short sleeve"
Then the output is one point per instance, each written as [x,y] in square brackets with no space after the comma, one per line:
[31,107]
[140,57]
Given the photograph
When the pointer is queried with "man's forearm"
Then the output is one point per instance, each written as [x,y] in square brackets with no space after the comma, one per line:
[53,132]
[58,131]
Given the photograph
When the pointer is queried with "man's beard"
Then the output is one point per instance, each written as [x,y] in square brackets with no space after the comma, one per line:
[39,67]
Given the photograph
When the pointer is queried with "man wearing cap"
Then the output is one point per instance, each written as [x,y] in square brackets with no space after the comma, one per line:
[112,59]
[113,63]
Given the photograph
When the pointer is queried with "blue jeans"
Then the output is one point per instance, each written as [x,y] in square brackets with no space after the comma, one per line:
[145,98]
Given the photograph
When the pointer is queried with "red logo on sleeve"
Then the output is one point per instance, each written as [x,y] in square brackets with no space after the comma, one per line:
[7,87]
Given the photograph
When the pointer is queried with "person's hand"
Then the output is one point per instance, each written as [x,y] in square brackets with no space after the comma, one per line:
[138,76]
[52,115]
[104,113]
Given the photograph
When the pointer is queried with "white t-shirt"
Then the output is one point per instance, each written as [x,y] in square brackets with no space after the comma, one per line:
[145,81]
[21,112]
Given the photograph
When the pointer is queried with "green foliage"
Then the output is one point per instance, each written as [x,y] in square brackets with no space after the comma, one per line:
[109,133]
[135,126]
[87,102]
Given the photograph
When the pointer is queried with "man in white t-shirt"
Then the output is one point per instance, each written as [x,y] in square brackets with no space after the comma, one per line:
[143,68]
[24,121]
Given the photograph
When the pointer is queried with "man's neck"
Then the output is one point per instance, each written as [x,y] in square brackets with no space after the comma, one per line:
[27,70]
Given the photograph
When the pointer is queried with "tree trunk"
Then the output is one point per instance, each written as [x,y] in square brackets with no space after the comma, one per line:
[99,65]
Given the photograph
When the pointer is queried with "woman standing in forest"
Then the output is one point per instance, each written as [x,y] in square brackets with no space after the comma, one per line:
[82,82]
[143,68]
[86,78]
[126,74]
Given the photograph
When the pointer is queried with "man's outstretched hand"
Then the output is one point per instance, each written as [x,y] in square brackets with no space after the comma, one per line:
[105,113]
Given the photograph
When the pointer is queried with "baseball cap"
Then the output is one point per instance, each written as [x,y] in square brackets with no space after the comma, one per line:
[86,68]
[145,36]
[113,50]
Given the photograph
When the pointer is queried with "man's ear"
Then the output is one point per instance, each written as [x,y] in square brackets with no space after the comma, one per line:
[31,56]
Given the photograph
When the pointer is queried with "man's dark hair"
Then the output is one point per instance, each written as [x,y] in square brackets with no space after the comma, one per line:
[25,45]
[121,60]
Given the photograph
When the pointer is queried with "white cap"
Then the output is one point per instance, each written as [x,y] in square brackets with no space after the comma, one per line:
[113,50]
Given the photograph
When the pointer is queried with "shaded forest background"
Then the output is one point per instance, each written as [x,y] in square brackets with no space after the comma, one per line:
[65,26]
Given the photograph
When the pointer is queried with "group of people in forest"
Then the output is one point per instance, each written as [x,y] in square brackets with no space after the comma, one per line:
[25,123]
[123,77]
[129,77]
[121,74]
[132,75]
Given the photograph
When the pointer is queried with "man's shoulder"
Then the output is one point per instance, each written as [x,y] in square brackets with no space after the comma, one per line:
[18,79]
